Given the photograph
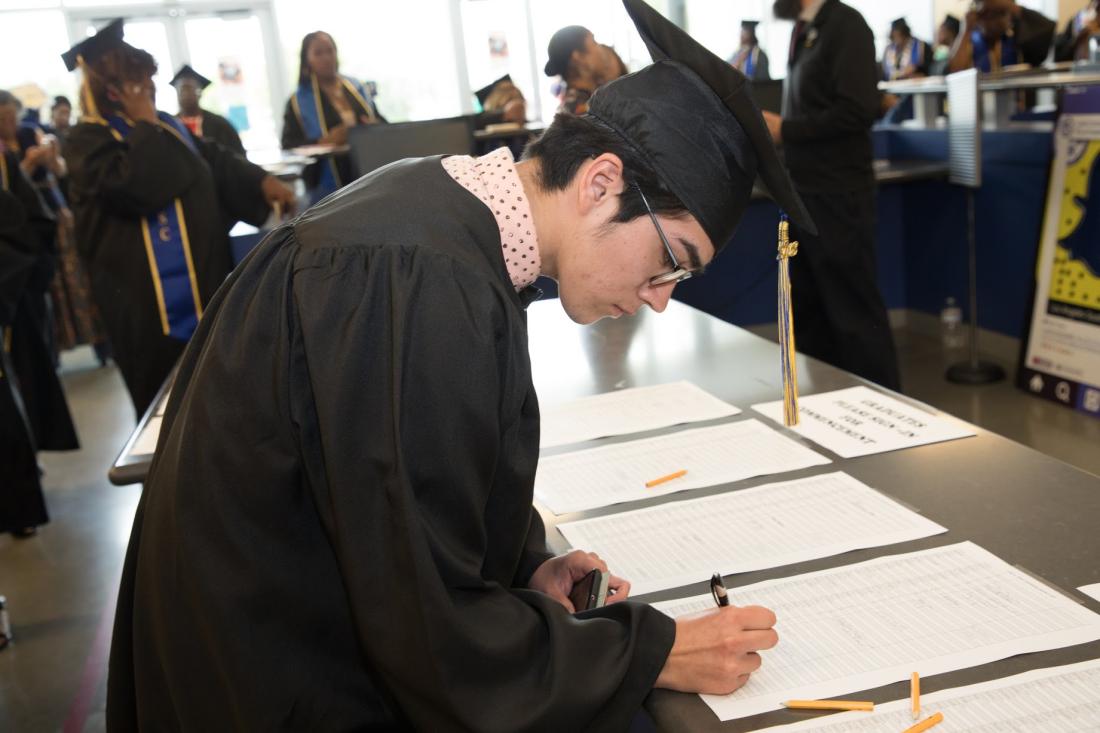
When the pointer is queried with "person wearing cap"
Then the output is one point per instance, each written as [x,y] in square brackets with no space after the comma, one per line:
[1072,44]
[321,110]
[189,85]
[1000,33]
[946,35]
[338,530]
[750,59]
[905,57]
[153,207]
[501,102]
[583,66]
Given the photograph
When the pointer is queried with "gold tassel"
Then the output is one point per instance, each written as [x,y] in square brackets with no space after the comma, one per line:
[787,249]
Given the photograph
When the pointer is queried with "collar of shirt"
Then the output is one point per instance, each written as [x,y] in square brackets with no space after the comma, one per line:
[809,13]
[494,180]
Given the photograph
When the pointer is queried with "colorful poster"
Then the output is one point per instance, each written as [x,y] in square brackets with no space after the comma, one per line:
[1062,353]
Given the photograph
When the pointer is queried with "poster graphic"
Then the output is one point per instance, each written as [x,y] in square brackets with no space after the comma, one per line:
[1061,358]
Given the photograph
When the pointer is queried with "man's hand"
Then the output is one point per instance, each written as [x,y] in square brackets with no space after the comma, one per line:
[715,651]
[278,194]
[556,577]
[775,126]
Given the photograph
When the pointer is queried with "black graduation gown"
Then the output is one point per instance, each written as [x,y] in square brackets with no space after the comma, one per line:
[113,184]
[30,338]
[21,502]
[294,137]
[337,531]
[220,130]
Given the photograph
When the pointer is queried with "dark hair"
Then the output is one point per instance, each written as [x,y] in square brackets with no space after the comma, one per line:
[7,98]
[570,141]
[59,100]
[303,62]
[114,68]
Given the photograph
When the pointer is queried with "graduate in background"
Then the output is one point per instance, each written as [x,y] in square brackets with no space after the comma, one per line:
[337,531]
[1072,44]
[583,66]
[905,57]
[946,36]
[33,413]
[750,59]
[1000,33]
[501,102]
[189,85]
[153,207]
[322,109]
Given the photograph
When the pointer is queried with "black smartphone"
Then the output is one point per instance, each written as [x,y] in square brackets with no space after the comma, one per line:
[590,591]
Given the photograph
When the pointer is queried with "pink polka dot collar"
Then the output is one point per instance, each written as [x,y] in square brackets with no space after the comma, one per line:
[494,180]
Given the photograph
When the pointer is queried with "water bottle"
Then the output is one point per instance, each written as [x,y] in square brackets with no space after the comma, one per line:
[951,325]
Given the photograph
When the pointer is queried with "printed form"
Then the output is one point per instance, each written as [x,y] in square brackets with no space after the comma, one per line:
[1054,700]
[859,421]
[628,411]
[721,454]
[672,545]
[865,625]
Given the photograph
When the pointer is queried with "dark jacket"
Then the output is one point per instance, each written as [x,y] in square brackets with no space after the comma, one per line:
[830,101]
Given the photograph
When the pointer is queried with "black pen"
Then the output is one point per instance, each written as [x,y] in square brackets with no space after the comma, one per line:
[718,591]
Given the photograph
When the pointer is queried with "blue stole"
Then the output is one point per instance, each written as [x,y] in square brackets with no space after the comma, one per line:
[168,248]
[308,106]
[982,62]
[750,62]
[890,64]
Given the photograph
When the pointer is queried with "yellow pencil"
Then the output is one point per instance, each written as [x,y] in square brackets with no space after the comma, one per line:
[925,724]
[829,705]
[664,479]
[914,696]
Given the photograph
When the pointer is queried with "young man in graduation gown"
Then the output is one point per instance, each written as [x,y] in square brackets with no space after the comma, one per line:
[204,124]
[337,531]
[830,101]
[33,412]
[1000,33]
[153,207]
[750,59]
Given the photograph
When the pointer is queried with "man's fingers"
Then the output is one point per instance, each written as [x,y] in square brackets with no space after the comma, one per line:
[618,589]
[755,617]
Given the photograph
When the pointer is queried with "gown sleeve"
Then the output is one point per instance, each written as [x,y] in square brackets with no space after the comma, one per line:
[293,134]
[238,183]
[400,363]
[134,177]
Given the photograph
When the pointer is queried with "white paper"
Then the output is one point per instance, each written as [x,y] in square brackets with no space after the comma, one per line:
[1092,591]
[720,454]
[859,421]
[1052,700]
[865,625]
[147,441]
[629,411]
[764,527]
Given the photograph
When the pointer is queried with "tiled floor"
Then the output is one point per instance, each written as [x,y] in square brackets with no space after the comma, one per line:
[61,584]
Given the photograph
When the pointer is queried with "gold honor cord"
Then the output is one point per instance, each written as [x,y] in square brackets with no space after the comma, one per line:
[3,172]
[787,250]
[324,126]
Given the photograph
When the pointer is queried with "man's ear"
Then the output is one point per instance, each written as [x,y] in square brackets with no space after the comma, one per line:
[601,182]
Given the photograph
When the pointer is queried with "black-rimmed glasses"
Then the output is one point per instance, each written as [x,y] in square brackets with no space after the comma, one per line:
[677,274]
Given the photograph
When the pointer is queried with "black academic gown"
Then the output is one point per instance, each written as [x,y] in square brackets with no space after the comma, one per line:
[22,231]
[113,184]
[337,530]
[220,130]
[29,340]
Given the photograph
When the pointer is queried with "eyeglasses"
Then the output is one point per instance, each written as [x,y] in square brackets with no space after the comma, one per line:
[677,274]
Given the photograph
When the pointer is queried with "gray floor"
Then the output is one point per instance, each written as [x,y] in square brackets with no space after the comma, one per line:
[61,584]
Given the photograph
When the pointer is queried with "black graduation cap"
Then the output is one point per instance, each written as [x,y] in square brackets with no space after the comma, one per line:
[900,25]
[186,72]
[691,115]
[750,25]
[953,23]
[107,38]
[561,47]
[483,93]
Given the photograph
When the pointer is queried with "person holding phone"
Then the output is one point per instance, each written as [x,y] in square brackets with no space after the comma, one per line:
[153,207]
[1001,33]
